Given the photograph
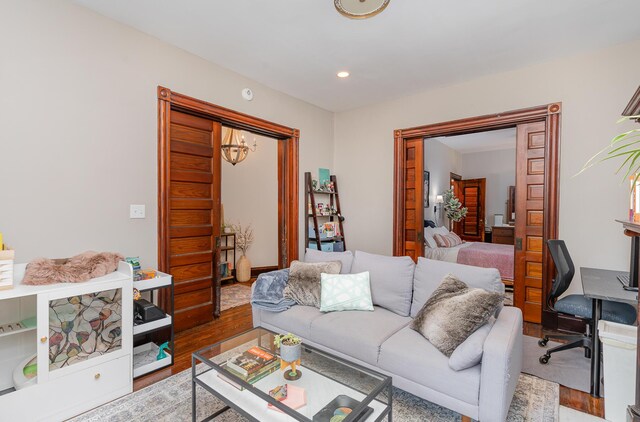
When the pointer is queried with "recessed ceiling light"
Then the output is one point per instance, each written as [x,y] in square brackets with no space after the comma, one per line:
[343,74]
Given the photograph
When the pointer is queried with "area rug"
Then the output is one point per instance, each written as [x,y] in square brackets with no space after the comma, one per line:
[170,401]
[569,367]
[234,295]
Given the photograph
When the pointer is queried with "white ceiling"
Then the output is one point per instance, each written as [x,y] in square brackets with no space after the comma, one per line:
[482,141]
[297,46]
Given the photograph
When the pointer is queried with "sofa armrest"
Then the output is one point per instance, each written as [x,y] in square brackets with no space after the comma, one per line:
[255,311]
[501,365]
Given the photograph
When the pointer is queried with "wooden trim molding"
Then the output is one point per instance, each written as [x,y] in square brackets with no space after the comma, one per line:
[549,113]
[288,147]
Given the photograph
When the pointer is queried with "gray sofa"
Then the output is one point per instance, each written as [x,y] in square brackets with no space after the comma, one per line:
[382,340]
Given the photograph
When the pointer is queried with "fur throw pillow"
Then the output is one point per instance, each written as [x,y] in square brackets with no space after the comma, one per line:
[77,269]
[304,285]
[453,312]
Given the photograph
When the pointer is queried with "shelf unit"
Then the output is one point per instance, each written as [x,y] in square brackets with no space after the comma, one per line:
[147,336]
[228,248]
[313,233]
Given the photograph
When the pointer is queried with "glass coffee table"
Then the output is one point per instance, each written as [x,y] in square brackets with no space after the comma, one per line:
[332,386]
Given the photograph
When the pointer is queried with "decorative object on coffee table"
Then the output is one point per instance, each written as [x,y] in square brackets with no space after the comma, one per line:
[290,351]
[244,239]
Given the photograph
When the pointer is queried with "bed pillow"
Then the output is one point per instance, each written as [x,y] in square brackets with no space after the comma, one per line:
[346,257]
[470,352]
[453,313]
[441,230]
[447,240]
[428,237]
[345,292]
[303,286]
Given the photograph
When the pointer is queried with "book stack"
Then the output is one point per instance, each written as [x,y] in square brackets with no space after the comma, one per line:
[252,365]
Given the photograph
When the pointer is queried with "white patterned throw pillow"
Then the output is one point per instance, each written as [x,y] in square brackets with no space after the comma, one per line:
[345,292]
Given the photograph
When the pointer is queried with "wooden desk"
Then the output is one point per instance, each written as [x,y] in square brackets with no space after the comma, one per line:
[599,285]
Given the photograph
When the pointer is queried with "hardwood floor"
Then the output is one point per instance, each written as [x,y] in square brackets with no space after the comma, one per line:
[231,322]
[237,320]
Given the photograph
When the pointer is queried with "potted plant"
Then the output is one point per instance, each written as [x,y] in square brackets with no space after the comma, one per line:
[453,207]
[290,352]
[626,146]
[244,239]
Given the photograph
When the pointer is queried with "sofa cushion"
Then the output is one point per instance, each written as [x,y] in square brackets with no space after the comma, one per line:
[356,333]
[303,286]
[391,280]
[409,355]
[346,257]
[453,312]
[430,273]
[296,320]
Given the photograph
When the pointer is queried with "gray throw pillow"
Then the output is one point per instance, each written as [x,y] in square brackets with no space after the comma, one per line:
[304,285]
[453,312]
[470,352]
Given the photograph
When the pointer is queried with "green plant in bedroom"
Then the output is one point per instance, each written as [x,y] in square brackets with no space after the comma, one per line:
[453,207]
[244,240]
[625,145]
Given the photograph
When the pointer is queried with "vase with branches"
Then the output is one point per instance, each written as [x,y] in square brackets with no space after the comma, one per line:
[244,240]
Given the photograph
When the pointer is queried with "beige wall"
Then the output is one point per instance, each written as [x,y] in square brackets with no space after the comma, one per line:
[594,88]
[78,114]
[499,168]
[250,196]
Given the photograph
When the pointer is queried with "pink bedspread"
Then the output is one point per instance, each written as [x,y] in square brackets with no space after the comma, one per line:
[489,255]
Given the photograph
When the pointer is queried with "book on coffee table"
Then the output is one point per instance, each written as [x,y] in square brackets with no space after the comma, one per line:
[296,398]
[251,361]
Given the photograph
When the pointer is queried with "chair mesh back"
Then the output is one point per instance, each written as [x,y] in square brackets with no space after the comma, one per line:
[564,268]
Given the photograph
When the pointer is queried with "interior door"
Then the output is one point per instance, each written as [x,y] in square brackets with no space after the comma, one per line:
[413,197]
[194,217]
[471,194]
[529,228]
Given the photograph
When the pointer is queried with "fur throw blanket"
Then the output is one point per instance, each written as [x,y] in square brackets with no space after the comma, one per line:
[77,269]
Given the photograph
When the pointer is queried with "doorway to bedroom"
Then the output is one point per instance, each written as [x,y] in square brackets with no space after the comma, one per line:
[469,214]
[534,198]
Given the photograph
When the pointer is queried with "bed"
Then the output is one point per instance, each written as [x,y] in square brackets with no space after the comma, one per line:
[478,254]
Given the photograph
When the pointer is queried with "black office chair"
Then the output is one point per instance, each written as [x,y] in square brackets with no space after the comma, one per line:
[576,305]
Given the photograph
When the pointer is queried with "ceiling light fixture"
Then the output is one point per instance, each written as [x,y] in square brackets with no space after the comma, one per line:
[360,9]
[235,148]
[343,74]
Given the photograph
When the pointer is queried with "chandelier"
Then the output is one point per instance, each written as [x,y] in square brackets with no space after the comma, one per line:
[235,148]
[360,9]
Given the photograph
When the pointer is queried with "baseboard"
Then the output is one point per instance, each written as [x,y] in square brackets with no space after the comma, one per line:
[256,271]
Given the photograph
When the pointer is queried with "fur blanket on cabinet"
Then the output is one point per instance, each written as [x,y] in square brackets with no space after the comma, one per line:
[76,269]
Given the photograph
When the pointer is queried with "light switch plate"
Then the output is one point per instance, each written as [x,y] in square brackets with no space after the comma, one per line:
[136,211]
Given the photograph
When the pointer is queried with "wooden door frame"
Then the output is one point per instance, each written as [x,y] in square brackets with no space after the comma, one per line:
[550,114]
[288,140]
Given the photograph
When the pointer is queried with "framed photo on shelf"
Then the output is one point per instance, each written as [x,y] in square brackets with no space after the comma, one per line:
[426,189]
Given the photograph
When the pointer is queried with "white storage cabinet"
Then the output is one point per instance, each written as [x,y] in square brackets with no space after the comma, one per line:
[83,340]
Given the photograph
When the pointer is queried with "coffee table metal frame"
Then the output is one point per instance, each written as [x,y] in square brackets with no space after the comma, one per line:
[196,357]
